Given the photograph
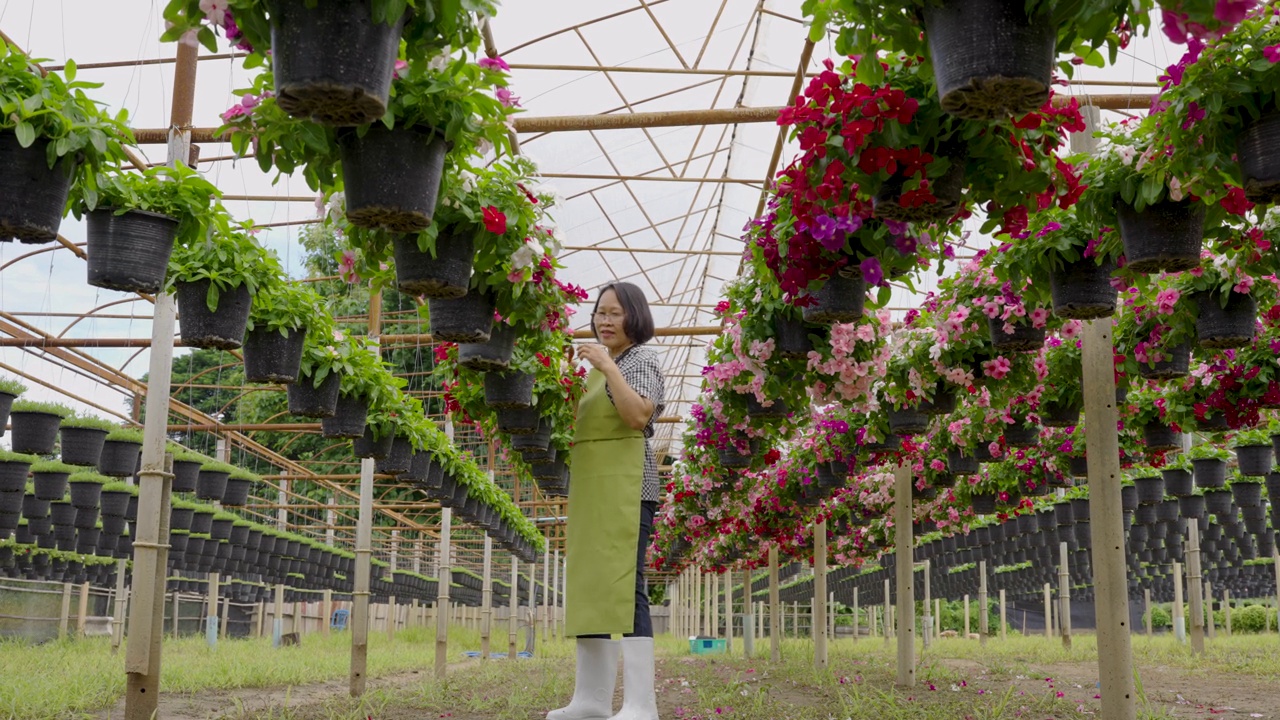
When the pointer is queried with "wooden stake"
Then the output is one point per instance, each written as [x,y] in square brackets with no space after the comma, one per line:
[486,600]
[64,620]
[1226,608]
[326,613]
[392,617]
[277,617]
[966,616]
[444,578]
[1209,627]
[984,608]
[855,614]
[512,617]
[360,593]
[1179,621]
[1146,605]
[177,615]
[1004,617]
[728,612]
[926,623]
[83,615]
[906,582]
[211,613]
[888,614]
[775,608]
[820,594]
[1048,611]
[225,617]
[546,590]
[121,602]
[1195,587]
[1064,596]
[556,627]
[749,618]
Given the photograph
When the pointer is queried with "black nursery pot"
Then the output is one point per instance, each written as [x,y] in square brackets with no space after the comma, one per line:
[1177,483]
[983,504]
[468,319]
[115,503]
[33,433]
[129,252]
[186,475]
[907,421]
[1079,466]
[948,189]
[1247,494]
[508,390]
[1054,414]
[270,357]
[1159,437]
[1164,236]
[398,460]
[348,420]
[756,409]
[490,356]
[518,421]
[6,402]
[1024,337]
[236,493]
[13,476]
[180,518]
[447,274]
[307,400]
[212,485]
[219,329]
[392,175]
[50,485]
[1254,460]
[1150,489]
[1082,290]
[333,63]
[537,440]
[1218,501]
[793,338]
[85,494]
[943,402]
[1176,365]
[119,458]
[1220,327]
[82,446]
[1022,434]
[32,196]
[368,446]
[1258,152]
[839,300]
[990,59]
[1191,506]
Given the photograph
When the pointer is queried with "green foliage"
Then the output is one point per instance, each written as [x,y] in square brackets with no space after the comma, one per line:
[178,192]
[53,466]
[1253,619]
[8,456]
[90,422]
[1205,451]
[217,466]
[31,406]
[87,476]
[228,258]
[120,487]
[1160,618]
[1251,438]
[126,434]
[284,306]
[9,386]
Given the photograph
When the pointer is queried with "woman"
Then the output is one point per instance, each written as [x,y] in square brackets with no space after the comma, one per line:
[613,494]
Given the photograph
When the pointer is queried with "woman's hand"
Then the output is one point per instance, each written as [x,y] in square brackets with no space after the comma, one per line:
[597,355]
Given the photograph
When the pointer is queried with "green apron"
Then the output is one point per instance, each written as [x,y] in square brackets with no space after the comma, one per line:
[607,475]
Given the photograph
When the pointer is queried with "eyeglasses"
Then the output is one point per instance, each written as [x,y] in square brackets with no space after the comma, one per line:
[610,316]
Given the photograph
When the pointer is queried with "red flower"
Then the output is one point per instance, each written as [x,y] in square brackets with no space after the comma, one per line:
[1235,202]
[495,221]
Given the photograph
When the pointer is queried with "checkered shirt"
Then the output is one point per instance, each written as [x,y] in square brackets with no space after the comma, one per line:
[640,368]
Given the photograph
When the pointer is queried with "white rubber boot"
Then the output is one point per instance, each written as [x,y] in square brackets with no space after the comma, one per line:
[639,696]
[593,682]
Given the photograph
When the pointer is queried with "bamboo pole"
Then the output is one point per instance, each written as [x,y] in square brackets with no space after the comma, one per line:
[360,593]
[486,600]
[326,613]
[546,589]
[121,603]
[775,608]
[225,617]
[513,606]
[556,597]
[903,545]
[1064,596]
[820,594]
[984,610]
[392,617]
[1195,586]
[211,613]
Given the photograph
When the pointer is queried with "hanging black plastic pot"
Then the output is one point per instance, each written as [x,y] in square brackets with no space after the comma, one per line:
[1022,433]
[391,176]
[1254,460]
[1191,506]
[348,420]
[982,452]
[1082,290]
[1212,422]
[332,61]
[219,329]
[1164,236]
[180,518]
[1177,482]
[493,355]
[212,484]
[732,457]
[49,485]
[1128,498]
[1159,437]
[237,492]
[119,458]
[447,274]
[82,445]
[272,357]
[1218,502]
[508,390]
[1231,326]
[398,460]
[990,60]
[961,464]
[186,475]
[948,189]
[1246,494]
[793,338]
[33,433]
[114,503]
[984,504]
[129,251]
[1059,414]
[943,401]
[756,409]
[536,440]
[33,196]
[906,421]
[1176,364]
[86,494]
[13,475]
[369,445]
[518,421]
[308,400]
[1258,152]
[468,319]
[839,300]
[1079,466]
[1024,337]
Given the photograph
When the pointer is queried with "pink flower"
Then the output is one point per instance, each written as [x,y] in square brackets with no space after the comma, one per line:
[1167,301]
[1231,12]
[1039,317]
[401,68]
[234,111]
[1272,53]
[496,63]
[1070,329]
[506,97]
[215,11]
[1244,286]
[991,309]
[347,267]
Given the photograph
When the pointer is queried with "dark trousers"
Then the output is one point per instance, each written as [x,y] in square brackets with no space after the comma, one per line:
[643,625]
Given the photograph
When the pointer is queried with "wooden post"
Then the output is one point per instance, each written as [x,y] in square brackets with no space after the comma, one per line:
[512,617]
[855,614]
[546,591]
[1226,609]
[360,594]
[1209,628]
[926,623]
[713,606]
[392,617]
[177,615]
[326,612]
[1146,610]
[1004,617]
[1179,621]
[1064,596]
[728,612]
[966,616]
[937,618]
[1195,586]
[1111,584]
[906,581]
[888,614]
[211,613]
[82,613]
[748,618]
[121,602]
[984,610]
[557,629]
[277,616]
[443,579]
[1275,561]
[64,619]
[486,601]
[1048,611]
[775,608]
[820,594]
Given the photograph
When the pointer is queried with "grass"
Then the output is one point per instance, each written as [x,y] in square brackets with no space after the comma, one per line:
[956,679]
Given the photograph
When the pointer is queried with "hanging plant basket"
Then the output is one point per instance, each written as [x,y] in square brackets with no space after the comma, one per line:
[943,402]
[948,189]
[237,492]
[1218,502]
[33,197]
[731,457]
[1176,365]
[1150,489]
[1022,433]
[120,458]
[186,475]
[982,452]
[1059,414]
[1191,506]
[348,419]
[307,400]
[1258,152]
[906,421]
[50,485]
[508,390]
[983,504]
[1220,327]
[34,433]
[536,440]
[114,503]
[1247,494]
[518,421]
[990,60]
[1178,483]
[6,402]
[270,357]
[491,356]
[13,477]
[793,342]
[369,446]
[1082,290]
[391,176]
[1164,236]
[212,485]
[1213,422]
[1159,437]
[333,64]
[1254,460]
[399,460]
[1024,337]
[82,446]
[445,275]
[1209,473]
[129,252]
[85,496]
[468,319]
[839,300]
[1079,466]
[219,329]
[755,409]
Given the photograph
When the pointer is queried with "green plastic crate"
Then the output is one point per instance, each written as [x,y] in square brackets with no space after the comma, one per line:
[707,646]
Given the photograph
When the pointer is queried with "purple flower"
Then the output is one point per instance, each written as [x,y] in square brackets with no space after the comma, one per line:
[1272,53]
[1231,12]
[831,231]
[896,227]
[905,244]
[1048,228]
[496,63]
[1195,114]
[506,97]
[872,273]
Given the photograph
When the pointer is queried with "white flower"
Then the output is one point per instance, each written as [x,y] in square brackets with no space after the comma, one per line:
[215,11]
[484,147]
[1126,154]
[522,258]
[439,62]
[468,181]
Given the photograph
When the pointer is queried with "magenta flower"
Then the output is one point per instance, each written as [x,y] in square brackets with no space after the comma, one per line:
[1195,113]
[1167,301]
[1272,53]
[496,63]
[1231,12]
[506,97]
[872,273]
[347,267]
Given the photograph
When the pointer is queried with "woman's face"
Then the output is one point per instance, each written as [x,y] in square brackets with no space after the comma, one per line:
[610,322]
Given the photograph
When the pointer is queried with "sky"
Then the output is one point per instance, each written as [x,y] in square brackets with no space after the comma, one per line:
[667,217]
